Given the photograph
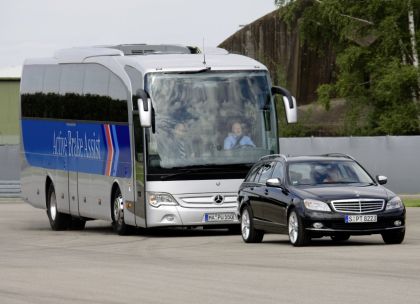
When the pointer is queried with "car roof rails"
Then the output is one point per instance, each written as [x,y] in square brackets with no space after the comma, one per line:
[273,156]
[338,155]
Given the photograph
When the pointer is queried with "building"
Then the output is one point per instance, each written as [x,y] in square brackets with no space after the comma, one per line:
[9,105]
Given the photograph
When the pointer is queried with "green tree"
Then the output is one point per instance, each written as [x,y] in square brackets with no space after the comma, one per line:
[376,64]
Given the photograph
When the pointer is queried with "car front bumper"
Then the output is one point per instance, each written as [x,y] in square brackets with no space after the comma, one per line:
[334,223]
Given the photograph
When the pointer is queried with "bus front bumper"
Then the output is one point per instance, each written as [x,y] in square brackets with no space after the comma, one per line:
[181,216]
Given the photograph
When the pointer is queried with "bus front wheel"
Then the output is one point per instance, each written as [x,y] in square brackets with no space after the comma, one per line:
[58,220]
[118,213]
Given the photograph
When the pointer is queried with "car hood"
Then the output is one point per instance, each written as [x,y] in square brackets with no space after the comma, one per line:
[333,192]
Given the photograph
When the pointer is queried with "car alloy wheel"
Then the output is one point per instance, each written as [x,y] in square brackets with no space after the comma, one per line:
[297,234]
[293,227]
[245,224]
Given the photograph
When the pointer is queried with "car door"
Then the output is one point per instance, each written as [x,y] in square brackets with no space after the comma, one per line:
[277,199]
[265,172]
[252,191]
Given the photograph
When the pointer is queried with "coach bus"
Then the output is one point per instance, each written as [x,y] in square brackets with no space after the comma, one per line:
[144,135]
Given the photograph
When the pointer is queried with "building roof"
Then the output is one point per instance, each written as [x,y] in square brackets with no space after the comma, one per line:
[11,73]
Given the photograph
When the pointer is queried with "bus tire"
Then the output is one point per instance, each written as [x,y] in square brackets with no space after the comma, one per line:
[58,221]
[117,213]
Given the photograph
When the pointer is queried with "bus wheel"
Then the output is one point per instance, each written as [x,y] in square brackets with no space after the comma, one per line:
[118,213]
[58,220]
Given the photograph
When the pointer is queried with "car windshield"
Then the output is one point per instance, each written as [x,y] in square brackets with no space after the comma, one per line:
[210,119]
[327,172]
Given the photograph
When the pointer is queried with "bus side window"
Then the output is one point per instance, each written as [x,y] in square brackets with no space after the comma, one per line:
[33,104]
[136,83]
[96,91]
[71,91]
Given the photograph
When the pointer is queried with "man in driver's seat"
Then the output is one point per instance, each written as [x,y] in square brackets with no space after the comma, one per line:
[236,139]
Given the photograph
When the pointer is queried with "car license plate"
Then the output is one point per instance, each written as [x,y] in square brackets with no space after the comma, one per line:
[361,218]
[219,217]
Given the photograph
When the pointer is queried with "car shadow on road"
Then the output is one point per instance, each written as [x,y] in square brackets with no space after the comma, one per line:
[326,242]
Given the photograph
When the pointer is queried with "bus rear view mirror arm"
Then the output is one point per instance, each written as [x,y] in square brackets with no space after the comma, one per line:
[289,102]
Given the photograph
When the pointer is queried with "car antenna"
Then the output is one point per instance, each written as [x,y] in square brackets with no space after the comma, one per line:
[204,54]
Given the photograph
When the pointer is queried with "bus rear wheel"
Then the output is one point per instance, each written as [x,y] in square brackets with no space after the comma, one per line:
[117,213]
[58,221]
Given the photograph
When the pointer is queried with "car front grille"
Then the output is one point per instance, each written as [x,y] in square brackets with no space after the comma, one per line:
[360,226]
[358,205]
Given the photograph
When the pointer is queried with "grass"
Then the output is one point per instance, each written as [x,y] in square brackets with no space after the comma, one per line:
[411,202]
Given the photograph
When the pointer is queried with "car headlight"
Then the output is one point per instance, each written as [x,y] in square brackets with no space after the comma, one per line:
[312,204]
[394,203]
[160,199]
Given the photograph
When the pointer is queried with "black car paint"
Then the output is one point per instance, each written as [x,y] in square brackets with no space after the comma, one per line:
[272,205]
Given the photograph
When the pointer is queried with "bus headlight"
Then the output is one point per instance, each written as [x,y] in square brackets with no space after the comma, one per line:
[394,203]
[160,199]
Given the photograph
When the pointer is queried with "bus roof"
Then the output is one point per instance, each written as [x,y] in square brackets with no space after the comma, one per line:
[167,58]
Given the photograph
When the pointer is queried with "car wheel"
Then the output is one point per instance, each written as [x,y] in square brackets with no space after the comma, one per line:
[58,221]
[340,237]
[393,237]
[249,233]
[297,234]
[117,213]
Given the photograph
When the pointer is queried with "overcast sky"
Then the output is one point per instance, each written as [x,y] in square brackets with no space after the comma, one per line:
[36,28]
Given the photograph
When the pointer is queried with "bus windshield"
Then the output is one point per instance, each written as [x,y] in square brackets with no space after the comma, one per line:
[210,118]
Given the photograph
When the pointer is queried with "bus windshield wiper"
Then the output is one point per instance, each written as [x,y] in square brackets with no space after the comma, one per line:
[203,70]
[205,169]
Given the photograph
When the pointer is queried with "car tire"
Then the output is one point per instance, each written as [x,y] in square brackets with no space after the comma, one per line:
[117,214]
[393,237]
[297,234]
[340,237]
[248,231]
[58,221]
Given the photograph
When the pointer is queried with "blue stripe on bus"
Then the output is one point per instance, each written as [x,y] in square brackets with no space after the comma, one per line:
[76,146]
[116,150]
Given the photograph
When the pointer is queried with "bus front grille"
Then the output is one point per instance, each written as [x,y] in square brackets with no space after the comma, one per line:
[213,201]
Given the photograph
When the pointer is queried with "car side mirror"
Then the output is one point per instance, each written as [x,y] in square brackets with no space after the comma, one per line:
[274,182]
[145,109]
[382,180]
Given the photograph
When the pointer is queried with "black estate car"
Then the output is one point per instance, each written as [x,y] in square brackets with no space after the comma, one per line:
[314,196]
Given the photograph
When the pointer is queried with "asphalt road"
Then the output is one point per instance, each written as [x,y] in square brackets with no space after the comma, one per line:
[38,265]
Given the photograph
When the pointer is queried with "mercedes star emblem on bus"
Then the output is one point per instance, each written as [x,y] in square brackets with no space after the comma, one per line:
[218,199]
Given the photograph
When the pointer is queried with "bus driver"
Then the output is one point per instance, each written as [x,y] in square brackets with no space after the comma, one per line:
[236,139]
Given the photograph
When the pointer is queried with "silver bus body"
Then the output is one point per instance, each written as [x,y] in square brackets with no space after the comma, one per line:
[81,133]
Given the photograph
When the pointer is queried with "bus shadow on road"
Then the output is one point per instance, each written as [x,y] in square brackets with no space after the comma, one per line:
[167,231]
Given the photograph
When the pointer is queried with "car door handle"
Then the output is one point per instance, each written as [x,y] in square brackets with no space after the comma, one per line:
[266,192]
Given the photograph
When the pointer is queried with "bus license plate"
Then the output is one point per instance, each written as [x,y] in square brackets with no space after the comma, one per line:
[361,218]
[219,217]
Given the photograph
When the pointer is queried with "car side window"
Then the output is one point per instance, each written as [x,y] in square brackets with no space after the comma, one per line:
[251,176]
[265,172]
[278,171]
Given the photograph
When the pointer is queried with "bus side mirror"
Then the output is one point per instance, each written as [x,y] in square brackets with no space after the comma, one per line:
[144,105]
[289,102]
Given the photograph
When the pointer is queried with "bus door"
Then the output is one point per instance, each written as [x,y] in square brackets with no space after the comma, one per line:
[139,178]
